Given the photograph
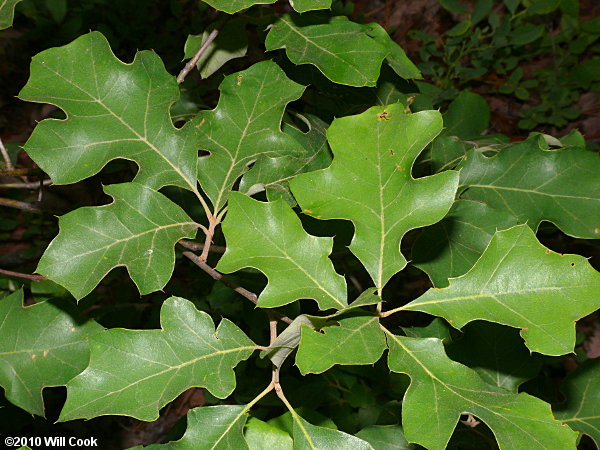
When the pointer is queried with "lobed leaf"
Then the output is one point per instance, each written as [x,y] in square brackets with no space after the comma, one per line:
[534,185]
[138,231]
[342,50]
[355,340]
[244,126]
[7,12]
[45,344]
[520,283]
[370,183]
[137,372]
[441,390]
[270,238]
[450,247]
[581,410]
[114,110]
[312,437]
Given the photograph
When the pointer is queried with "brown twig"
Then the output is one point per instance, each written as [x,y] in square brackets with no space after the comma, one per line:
[23,275]
[192,62]
[32,185]
[196,246]
[20,205]
[18,172]
[240,290]
[5,155]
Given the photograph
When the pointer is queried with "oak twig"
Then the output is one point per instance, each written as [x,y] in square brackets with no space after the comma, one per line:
[32,185]
[196,246]
[240,290]
[20,205]
[192,62]
[23,275]
[5,155]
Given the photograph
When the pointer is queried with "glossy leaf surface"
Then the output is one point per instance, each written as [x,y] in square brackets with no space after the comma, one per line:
[114,110]
[270,238]
[441,390]
[534,184]
[520,283]
[138,231]
[45,344]
[157,365]
[450,247]
[309,5]
[342,50]
[370,183]
[354,340]
[311,437]
[245,125]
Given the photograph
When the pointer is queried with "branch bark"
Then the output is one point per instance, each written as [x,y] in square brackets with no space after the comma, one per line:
[192,62]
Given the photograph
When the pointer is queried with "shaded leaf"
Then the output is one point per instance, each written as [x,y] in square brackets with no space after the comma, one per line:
[138,231]
[7,12]
[312,437]
[441,390]
[45,344]
[450,247]
[438,328]
[342,50]
[581,411]
[244,126]
[370,183]
[520,283]
[396,57]
[263,436]
[137,372]
[534,184]
[288,339]
[496,353]
[270,238]
[230,43]
[274,173]
[468,116]
[309,5]
[390,437]
[114,110]
[356,340]
[233,6]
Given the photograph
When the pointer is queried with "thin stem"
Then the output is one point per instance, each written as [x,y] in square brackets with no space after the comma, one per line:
[20,205]
[18,172]
[204,206]
[23,275]
[196,246]
[392,311]
[240,290]
[192,62]
[6,157]
[208,241]
[32,185]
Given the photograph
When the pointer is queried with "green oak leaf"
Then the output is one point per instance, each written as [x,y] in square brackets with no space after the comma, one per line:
[385,437]
[309,5]
[311,437]
[233,6]
[136,372]
[441,390]
[342,50]
[264,436]
[269,237]
[370,183]
[211,427]
[244,126]
[7,12]
[396,57]
[138,231]
[496,353]
[450,247]
[534,185]
[581,410]
[114,110]
[273,173]
[520,283]
[468,116]
[230,43]
[45,344]
[356,340]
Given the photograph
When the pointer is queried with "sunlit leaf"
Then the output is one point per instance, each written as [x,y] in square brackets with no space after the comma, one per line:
[233,6]
[370,183]
[309,5]
[270,238]
[312,437]
[520,283]
[137,372]
[138,231]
